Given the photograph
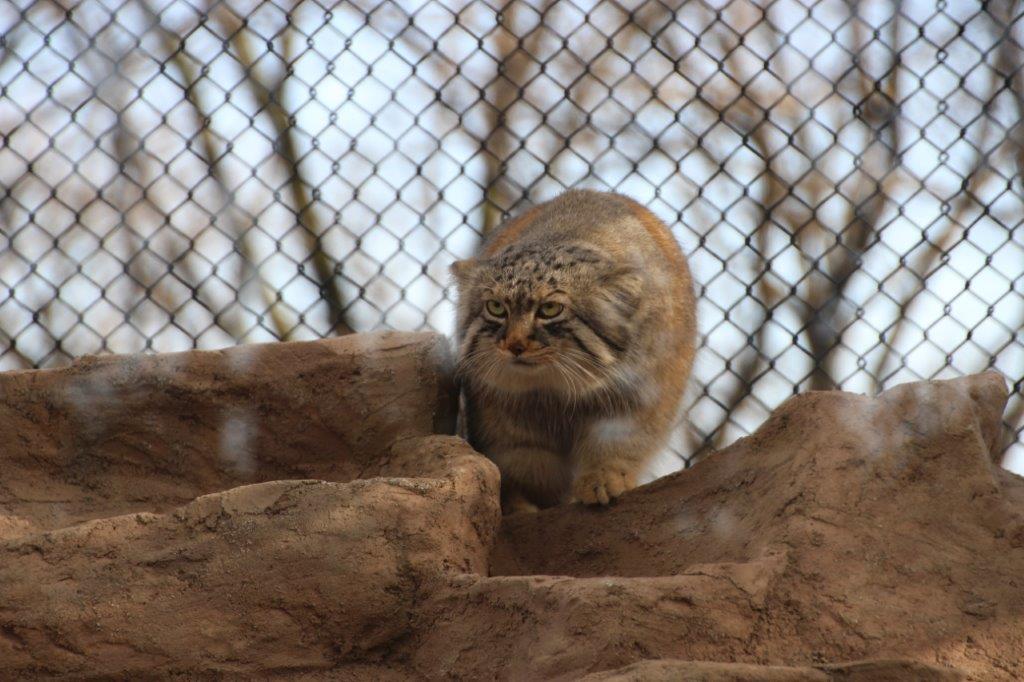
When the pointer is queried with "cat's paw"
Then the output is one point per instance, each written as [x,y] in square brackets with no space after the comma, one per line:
[601,486]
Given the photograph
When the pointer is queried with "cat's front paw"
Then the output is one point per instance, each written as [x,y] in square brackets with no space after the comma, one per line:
[601,486]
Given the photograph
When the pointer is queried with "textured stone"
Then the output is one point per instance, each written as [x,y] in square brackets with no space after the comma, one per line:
[849,538]
[115,434]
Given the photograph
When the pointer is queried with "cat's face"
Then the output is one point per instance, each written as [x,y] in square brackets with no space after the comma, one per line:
[544,319]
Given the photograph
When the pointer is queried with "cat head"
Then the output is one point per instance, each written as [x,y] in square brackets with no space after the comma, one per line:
[552,317]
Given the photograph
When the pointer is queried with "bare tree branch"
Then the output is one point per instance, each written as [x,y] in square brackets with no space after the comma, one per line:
[271,102]
[175,47]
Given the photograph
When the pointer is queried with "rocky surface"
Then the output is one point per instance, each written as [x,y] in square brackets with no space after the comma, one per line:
[704,671]
[114,434]
[335,537]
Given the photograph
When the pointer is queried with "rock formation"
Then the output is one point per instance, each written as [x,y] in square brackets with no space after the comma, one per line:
[296,509]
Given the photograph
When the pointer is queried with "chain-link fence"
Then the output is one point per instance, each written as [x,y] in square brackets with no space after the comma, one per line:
[845,176]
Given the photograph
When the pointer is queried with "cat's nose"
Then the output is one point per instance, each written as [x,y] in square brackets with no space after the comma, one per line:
[516,347]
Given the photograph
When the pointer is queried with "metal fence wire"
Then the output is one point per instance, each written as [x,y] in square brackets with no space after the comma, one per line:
[844,176]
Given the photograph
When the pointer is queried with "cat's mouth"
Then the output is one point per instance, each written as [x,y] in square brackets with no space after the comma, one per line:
[528,359]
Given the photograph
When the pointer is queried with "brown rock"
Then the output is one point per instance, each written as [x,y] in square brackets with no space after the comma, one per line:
[265,577]
[845,528]
[704,671]
[877,531]
[114,434]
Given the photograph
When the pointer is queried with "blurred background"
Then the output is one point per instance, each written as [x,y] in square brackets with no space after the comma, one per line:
[844,176]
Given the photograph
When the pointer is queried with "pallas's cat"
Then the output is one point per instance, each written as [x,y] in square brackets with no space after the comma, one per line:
[575,333]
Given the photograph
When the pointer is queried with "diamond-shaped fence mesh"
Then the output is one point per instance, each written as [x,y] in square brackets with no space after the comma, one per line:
[844,176]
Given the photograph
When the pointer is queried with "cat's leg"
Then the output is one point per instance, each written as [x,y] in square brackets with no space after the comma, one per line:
[514,501]
[609,458]
[531,476]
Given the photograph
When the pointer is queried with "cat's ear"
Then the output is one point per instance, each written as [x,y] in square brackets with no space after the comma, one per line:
[463,270]
[622,287]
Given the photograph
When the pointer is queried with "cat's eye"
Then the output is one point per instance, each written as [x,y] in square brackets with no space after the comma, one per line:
[550,309]
[496,308]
